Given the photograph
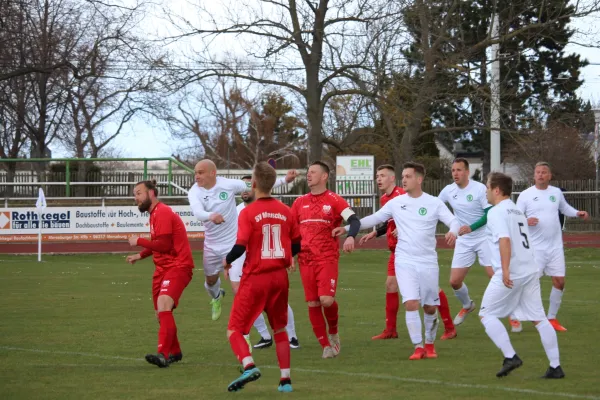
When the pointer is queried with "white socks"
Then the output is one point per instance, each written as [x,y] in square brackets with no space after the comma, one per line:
[549,341]
[431,326]
[555,300]
[291,325]
[246,361]
[213,290]
[413,323]
[463,295]
[261,327]
[285,373]
[497,332]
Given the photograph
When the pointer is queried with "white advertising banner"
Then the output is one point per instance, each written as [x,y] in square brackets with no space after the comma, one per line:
[355,168]
[85,223]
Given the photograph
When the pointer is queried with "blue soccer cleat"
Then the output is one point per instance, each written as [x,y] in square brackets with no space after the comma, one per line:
[285,386]
[249,375]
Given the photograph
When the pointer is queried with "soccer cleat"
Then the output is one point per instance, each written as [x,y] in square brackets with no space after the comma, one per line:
[554,373]
[556,325]
[216,305]
[508,365]
[157,359]
[386,335]
[264,343]
[418,354]
[328,352]
[249,375]
[462,314]
[334,340]
[516,326]
[430,350]
[247,337]
[173,358]
[285,385]
[449,334]
[294,344]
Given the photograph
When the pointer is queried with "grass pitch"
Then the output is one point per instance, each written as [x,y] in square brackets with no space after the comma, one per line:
[78,327]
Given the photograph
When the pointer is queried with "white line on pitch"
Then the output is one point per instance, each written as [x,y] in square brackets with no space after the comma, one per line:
[335,372]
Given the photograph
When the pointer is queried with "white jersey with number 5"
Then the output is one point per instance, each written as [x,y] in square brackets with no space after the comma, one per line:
[505,220]
[544,205]
[219,199]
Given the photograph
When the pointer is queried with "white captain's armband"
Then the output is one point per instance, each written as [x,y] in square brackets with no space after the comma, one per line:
[347,213]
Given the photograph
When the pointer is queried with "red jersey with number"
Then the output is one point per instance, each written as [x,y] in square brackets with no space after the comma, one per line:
[267,230]
[164,221]
[317,216]
[391,226]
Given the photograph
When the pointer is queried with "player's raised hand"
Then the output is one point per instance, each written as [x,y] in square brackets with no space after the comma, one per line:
[583,215]
[464,230]
[133,240]
[339,231]
[133,258]
[291,175]
[216,218]
[532,221]
[349,244]
[450,238]
[364,239]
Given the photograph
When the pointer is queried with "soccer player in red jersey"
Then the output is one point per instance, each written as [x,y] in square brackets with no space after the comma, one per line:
[386,182]
[172,257]
[270,238]
[317,214]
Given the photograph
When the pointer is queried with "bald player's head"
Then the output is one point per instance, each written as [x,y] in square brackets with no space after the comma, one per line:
[205,173]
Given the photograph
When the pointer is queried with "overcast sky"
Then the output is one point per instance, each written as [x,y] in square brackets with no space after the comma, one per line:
[142,140]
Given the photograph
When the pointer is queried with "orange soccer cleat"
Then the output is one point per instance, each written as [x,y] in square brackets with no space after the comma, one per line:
[449,334]
[556,325]
[430,350]
[419,354]
[386,335]
[516,325]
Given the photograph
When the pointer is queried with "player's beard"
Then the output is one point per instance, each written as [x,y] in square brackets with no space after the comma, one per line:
[145,206]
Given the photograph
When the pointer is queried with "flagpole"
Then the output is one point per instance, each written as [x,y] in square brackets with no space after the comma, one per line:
[40,205]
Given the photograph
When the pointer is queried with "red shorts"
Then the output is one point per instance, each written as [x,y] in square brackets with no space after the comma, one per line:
[266,292]
[392,265]
[170,283]
[319,279]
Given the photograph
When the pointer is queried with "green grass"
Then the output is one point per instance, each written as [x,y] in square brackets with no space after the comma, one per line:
[77,327]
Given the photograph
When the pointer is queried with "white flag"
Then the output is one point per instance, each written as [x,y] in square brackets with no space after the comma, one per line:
[40,204]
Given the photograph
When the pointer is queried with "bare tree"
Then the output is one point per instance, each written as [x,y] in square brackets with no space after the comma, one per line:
[233,126]
[277,34]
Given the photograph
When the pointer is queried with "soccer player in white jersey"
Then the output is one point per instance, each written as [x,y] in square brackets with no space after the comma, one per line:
[515,286]
[468,201]
[541,204]
[416,215]
[212,200]
[235,275]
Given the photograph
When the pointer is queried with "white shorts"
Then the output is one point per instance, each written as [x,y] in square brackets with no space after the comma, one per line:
[551,262]
[524,300]
[465,252]
[419,283]
[212,260]
[235,272]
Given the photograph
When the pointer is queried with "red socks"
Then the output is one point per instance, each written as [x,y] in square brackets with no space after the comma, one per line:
[239,346]
[318,324]
[444,309]
[392,304]
[282,347]
[331,313]
[166,333]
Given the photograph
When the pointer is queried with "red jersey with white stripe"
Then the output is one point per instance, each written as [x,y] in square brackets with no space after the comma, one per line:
[267,230]
[317,216]
[165,222]
[391,225]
